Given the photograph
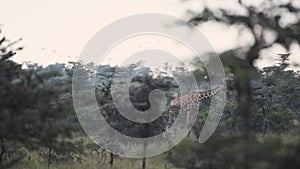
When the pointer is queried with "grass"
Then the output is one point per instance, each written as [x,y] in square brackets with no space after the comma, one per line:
[92,162]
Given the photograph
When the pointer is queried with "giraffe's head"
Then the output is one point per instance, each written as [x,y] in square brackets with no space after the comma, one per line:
[175,101]
[178,100]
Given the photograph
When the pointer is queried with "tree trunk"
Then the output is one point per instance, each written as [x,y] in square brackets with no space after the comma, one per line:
[244,99]
[146,134]
[102,160]
[50,147]
[49,157]
[2,150]
[144,163]
[111,162]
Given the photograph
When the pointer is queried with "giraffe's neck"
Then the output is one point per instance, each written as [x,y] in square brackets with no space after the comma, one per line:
[197,95]
[202,95]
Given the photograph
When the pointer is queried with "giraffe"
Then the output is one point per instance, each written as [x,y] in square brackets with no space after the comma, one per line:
[190,102]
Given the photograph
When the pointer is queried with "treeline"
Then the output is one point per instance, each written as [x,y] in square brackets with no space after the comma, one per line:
[37,113]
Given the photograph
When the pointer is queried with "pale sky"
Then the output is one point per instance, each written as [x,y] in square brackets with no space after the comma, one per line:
[57,30]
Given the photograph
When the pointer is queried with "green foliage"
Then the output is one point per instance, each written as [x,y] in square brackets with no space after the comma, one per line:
[35,105]
[276,99]
[234,152]
[260,102]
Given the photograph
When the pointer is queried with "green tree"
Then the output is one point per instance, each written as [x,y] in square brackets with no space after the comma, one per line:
[140,88]
[35,106]
[276,98]
[10,73]
[256,21]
